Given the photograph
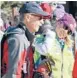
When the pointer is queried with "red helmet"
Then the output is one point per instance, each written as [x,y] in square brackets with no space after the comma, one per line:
[47,8]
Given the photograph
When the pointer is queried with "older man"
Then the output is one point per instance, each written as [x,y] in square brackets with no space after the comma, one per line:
[15,47]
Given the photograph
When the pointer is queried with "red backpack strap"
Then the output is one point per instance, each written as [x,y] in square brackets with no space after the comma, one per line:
[30,64]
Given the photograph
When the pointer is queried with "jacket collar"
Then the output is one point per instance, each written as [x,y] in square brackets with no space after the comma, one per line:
[22,25]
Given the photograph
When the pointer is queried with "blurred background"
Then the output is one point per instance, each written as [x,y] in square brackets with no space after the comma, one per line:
[9,10]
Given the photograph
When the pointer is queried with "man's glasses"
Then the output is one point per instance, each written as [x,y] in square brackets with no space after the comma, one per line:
[39,16]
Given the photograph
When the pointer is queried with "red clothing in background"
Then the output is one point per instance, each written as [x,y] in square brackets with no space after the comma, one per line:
[75,67]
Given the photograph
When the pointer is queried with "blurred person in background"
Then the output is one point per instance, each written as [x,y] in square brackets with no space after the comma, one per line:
[58,13]
[15,14]
[1,35]
[1,28]
[5,20]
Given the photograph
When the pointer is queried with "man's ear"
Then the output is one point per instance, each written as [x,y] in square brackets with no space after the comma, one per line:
[28,17]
